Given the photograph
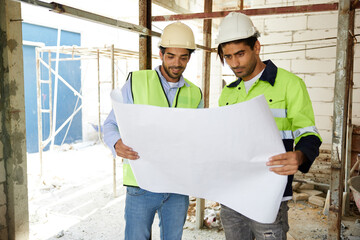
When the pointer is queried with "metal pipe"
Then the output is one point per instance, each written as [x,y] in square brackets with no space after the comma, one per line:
[38,88]
[99,110]
[50,95]
[78,13]
[113,68]
[64,124]
[56,88]
[76,93]
[251,12]
[313,183]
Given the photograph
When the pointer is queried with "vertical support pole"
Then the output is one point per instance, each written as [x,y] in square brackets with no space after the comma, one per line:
[99,89]
[56,82]
[38,97]
[241,5]
[50,92]
[116,74]
[200,203]
[207,55]
[14,214]
[145,41]
[112,88]
[350,57]
[112,67]
[341,97]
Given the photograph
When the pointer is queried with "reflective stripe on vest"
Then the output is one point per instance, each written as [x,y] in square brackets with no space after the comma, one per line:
[288,101]
[279,113]
[147,89]
[286,134]
[282,113]
[301,131]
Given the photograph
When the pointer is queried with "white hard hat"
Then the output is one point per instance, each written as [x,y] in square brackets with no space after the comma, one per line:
[236,26]
[177,35]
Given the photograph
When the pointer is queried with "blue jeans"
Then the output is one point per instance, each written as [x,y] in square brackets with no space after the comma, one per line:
[237,226]
[140,209]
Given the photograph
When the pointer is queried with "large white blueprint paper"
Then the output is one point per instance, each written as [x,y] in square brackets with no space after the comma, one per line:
[217,154]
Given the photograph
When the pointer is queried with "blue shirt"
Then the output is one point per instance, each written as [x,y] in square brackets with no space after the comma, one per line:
[111,130]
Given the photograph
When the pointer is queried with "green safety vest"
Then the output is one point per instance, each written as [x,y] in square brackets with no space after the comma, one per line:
[147,89]
[288,100]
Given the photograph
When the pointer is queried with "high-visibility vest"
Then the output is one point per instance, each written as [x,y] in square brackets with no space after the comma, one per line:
[147,89]
[288,100]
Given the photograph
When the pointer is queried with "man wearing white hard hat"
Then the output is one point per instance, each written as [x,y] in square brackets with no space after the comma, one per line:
[165,87]
[290,104]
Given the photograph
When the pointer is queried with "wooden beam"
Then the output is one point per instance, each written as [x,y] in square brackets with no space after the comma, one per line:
[145,41]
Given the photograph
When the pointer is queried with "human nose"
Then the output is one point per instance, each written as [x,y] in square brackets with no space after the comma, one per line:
[177,62]
[233,63]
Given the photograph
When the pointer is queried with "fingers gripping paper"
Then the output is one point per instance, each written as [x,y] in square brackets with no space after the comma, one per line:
[217,154]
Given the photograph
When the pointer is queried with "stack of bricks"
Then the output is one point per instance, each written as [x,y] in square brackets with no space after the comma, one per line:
[307,192]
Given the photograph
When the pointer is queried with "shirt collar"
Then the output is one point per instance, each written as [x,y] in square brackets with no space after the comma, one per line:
[268,75]
[182,81]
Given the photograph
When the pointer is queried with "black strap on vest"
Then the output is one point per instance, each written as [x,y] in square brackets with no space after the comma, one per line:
[129,77]
[162,87]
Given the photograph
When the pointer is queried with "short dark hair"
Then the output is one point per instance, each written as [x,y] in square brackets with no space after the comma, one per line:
[162,50]
[248,41]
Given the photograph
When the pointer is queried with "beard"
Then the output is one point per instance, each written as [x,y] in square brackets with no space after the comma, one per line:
[244,71]
[173,72]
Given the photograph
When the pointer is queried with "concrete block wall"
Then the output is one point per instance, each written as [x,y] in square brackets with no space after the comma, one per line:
[283,41]
[315,66]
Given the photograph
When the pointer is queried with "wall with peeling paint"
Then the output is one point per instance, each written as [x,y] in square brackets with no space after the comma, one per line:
[14,220]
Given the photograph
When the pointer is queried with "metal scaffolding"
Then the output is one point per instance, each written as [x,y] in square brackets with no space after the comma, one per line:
[72,53]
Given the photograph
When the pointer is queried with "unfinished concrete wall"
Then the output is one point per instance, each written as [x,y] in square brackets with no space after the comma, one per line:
[283,41]
[313,61]
[13,172]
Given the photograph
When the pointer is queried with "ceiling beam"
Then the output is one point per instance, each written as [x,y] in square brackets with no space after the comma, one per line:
[96,18]
[254,12]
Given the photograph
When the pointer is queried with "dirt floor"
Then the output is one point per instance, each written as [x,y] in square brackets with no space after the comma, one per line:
[74,200]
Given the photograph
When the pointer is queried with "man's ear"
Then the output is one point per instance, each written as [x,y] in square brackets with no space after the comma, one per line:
[257,47]
[161,55]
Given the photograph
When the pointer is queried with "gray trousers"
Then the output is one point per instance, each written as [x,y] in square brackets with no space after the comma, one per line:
[239,227]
